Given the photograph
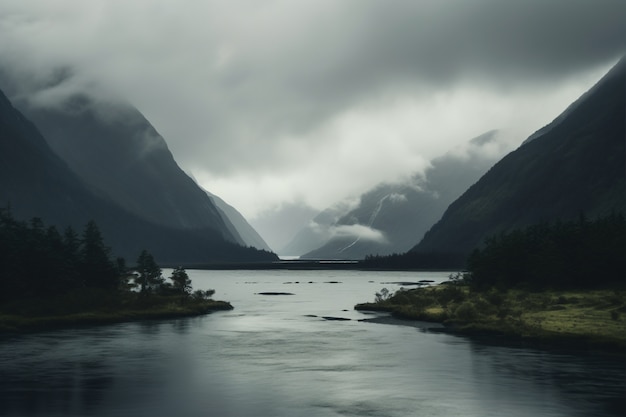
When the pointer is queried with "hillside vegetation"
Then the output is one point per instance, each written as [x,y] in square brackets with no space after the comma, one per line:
[561,282]
[50,279]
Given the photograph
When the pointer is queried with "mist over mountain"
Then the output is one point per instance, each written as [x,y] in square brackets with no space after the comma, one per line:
[36,182]
[388,218]
[317,231]
[114,149]
[574,166]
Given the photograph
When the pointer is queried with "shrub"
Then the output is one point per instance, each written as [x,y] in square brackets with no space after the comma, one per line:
[494,297]
[383,295]
[451,293]
[203,295]
[466,311]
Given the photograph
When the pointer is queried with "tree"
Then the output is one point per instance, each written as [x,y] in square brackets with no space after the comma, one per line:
[97,268]
[576,254]
[182,282]
[150,278]
[71,256]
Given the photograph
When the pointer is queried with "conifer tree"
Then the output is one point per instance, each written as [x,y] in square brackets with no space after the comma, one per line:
[150,278]
[182,282]
[97,268]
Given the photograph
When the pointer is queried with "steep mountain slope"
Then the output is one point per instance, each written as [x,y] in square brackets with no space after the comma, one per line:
[34,181]
[239,224]
[31,174]
[387,218]
[115,150]
[576,165]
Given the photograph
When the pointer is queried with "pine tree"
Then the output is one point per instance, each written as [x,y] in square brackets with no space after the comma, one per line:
[182,282]
[97,268]
[150,278]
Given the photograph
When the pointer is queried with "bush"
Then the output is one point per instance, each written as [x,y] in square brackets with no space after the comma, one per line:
[450,294]
[495,297]
[383,295]
[466,311]
[203,295]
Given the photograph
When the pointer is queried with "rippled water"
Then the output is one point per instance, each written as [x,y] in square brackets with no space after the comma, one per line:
[278,356]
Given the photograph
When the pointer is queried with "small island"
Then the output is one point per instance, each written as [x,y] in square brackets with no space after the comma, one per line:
[49,281]
[557,284]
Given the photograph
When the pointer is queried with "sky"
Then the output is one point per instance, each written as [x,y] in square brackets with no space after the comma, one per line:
[284,108]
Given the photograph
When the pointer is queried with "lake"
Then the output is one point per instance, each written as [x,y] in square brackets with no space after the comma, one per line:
[276,355]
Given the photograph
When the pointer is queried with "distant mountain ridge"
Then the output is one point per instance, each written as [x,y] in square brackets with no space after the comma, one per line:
[574,166]
[391,217]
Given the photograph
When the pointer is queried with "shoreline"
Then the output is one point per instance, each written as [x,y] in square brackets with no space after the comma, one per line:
[304,264]
[17,324]
[502,337]
[578,320]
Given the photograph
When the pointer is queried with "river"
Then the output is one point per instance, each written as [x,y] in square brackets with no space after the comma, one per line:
[276,355]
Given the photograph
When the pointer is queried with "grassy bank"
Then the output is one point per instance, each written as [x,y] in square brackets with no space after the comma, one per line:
[593,318]
[98,308]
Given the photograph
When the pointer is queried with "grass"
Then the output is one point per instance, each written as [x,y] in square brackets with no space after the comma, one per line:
[582,317]
[100,308]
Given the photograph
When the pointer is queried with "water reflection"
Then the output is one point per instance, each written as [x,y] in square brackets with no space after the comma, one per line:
[280,358]
[591,384]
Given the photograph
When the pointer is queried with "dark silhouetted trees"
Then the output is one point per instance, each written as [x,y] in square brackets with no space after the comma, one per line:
[181,281]
[36,260]
[95,263]
[579,254]
[46,274]
[149,278]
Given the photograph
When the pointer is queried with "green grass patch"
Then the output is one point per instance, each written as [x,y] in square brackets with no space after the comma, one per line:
[590,317]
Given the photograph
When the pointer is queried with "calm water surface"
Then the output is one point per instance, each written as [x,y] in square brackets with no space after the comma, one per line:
[278,356]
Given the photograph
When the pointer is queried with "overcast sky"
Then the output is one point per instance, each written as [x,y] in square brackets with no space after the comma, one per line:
[274,102]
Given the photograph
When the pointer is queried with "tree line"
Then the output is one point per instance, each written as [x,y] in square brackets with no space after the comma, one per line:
[579,254]
[38,261]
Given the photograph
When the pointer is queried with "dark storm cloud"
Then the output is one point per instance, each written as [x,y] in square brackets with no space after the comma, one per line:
[280,101]
[372,45]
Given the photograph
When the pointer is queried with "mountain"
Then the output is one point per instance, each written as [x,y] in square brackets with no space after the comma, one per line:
[115,150]
[36,182]
[388,218]
[33,180]
[317,232]
[112,146]
[574,166]
[239,224]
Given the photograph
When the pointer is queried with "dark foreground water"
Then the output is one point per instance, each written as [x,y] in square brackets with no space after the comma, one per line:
[278,356]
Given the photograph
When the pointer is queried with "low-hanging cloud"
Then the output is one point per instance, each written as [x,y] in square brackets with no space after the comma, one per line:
[358,231]
[268,103]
